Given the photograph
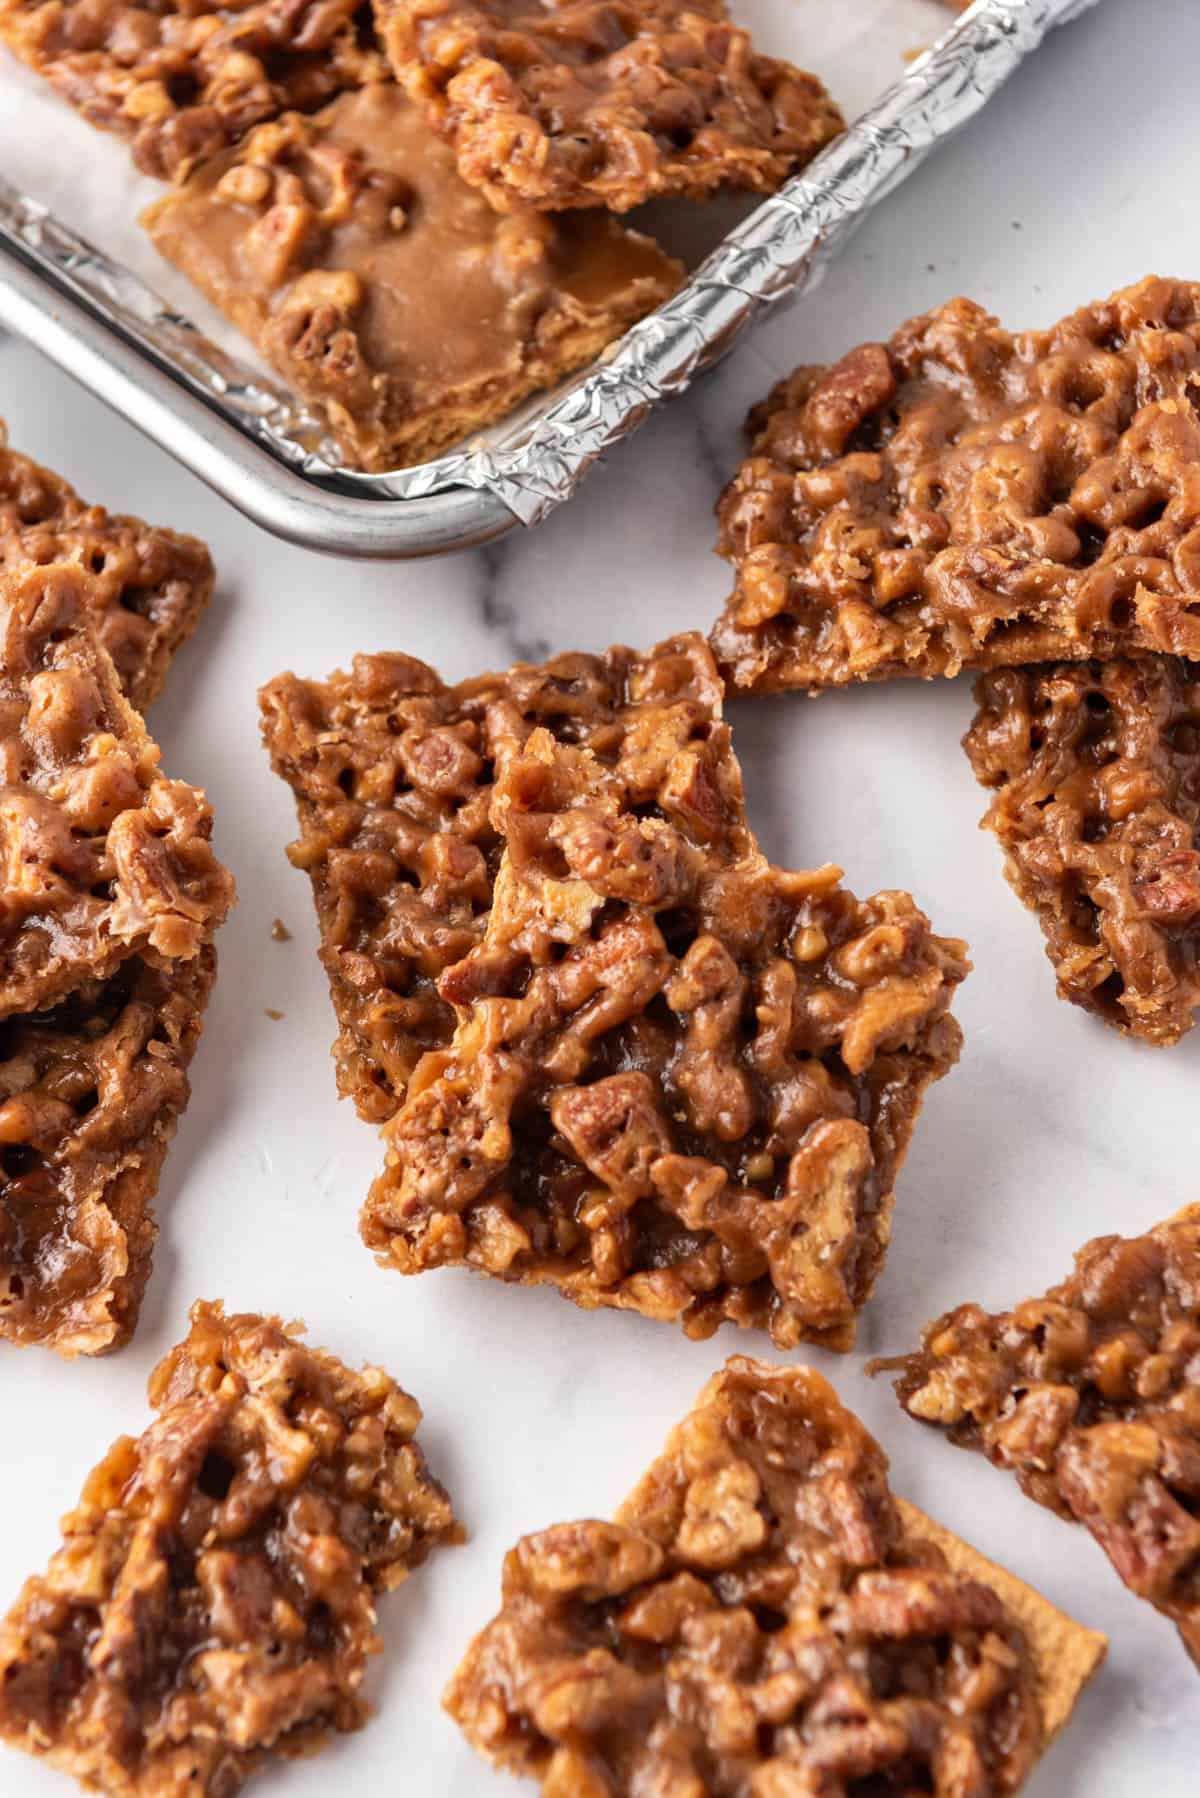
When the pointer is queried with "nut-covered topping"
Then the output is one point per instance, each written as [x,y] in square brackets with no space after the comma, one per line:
[213,1601]
[758,1619]
[1095,771]
[964,498]
[670,1112]
[1092,1397]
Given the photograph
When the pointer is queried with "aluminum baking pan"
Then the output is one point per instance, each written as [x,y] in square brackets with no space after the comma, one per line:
[247,437]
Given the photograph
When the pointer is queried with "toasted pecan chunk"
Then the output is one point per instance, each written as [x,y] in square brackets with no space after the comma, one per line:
[762,1616]
[1091,1396]
[385,290]
[962,498]
[1095,771]
[149,585]
[183,80]
[103,858]
[604,102]
[682,1081]
[392,771]
[213,1602]
[90,1094]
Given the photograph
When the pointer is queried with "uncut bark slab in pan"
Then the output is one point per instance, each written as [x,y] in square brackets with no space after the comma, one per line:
[763,1615]
[604,102]
[682,1081]
[961,497]
[149,585]
[103,858]
[392,771]
[1095,771]
[90,1094]
[213,1602]
[385,290]
[1091,1396]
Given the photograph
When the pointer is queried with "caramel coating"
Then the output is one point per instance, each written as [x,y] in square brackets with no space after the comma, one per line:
[183,80]
[682,1081]
[103,858]
[1091,1396]
[756,1620]
[213,1602]
[384,289]
[90,1094]
[148,587]
[604,102]
[962,498]
[392,771]
[1095,768]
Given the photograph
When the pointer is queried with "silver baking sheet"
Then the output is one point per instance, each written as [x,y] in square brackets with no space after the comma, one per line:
[152,349]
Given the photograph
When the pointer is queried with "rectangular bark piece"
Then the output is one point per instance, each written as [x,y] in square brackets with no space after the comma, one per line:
[149,585]
[604,102]
[1091,1396]
[103,858]
[1095,771]
[960,497]
[392,772]
[763,1615]
[213,1602]
[682,1081]
[90,1094]
[183,80]
[385,290]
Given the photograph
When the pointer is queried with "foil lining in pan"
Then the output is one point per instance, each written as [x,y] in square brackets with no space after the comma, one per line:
[534,460]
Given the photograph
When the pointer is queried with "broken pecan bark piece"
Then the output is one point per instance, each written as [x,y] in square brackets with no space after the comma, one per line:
[604,102]
[960,497]
[392,772]
[1091,1396]
[763,1616]
[148,587]
[682,1081]
[213,1602]
[1095,768]
[90,1094]
[103,858]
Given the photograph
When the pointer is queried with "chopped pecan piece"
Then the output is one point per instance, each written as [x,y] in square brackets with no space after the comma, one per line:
[384,289]
[149,585]
[185,79]
[392,772]
[1091,1396]
[213,1602]
[682,1081]
[103,858]
[1095,767]
[762,1616]
[90,1094]
[963,498]
[604,102]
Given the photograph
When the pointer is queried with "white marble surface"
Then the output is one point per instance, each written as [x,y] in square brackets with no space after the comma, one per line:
[1077,179]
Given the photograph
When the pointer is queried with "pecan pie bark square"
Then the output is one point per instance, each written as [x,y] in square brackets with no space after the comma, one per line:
[213,1602]
[1095,768]
[962,498]
[392,772]
[183,80]
[604,102]
[149,585]
[763,1616]
[682,1081]
[103,858]
[1091,1396]
[387,291]
[90,1094]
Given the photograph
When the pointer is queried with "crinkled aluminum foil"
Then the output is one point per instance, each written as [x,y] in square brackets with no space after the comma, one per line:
[533,461]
